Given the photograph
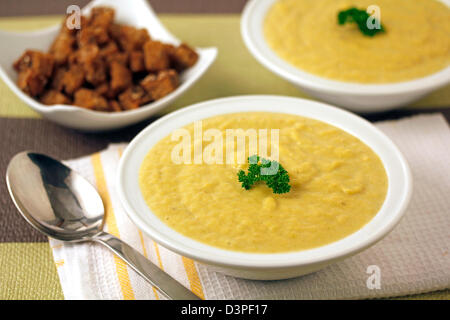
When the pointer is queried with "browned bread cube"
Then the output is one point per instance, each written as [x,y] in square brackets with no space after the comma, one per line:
[120,57]
[108,49]
[132,98]
[92,35]
[73,79]
[54,97]
[120,77]
[161,85]
[86,54]
[93,65]
[137,61]
[57,79]
[90,99]
[63,46]
[34,69]
[31,82]
[103,89]
[129,38]
[170,48]
[114,105]
[101,17]
[95,72]
[156,57]
[184,57]
[40,62]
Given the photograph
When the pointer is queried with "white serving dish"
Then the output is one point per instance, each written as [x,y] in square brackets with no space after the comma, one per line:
[357,97]
[135,13]
[265,266]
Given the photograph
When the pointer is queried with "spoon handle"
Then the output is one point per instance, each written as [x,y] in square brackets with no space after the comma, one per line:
[167,285]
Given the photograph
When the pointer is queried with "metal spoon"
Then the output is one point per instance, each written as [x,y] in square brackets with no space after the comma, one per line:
[60,203]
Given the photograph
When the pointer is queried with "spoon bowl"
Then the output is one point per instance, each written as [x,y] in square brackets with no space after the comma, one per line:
[60,203]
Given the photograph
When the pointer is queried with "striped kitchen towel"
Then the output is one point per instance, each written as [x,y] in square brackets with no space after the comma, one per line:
[414,258]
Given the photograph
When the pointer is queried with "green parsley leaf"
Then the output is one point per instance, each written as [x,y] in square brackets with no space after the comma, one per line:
[260,169]
[359,17]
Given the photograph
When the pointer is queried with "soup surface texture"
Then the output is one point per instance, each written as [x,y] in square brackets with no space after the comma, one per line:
[416,43]
[338,184]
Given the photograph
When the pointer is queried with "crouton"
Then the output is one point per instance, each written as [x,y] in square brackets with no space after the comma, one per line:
[120,77]
[102,89]
[114,105]
[129,38]
[101,17]
[38,61]
[108,49]
[57,79]
[120,57]
[170,49]
[34,69]
[95,72]
[62,46]
[161,85]
[137,61]
[73,79]
[92,35]
[183,57]
[93,65]
[156,57]
[90,99]
[54,97]
[132,97]
[31,83]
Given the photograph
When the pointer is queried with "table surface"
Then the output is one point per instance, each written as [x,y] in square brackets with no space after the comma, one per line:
[27,270]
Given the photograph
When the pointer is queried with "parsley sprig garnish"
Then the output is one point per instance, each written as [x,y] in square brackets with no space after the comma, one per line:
[359,17]
[277,180]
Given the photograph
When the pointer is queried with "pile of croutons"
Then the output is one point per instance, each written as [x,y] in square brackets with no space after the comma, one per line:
[103,66]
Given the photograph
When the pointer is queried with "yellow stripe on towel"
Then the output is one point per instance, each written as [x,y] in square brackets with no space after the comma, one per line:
[110,221]
[158,255]
[193,277]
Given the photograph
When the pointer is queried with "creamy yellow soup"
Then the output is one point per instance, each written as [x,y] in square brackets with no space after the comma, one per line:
[416,43]
[338,184]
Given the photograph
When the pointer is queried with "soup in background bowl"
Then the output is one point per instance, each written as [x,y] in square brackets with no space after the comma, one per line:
[415,42]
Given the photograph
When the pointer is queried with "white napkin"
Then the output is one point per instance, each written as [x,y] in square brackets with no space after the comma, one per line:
[413,258]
